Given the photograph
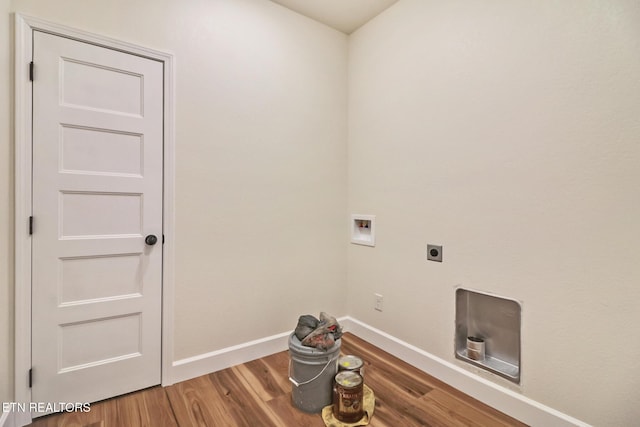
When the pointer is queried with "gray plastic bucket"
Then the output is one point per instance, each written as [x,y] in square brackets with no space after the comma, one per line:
[311,372]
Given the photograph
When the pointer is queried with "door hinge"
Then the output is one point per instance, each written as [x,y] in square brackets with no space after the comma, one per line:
[163,239]
[30,377]
[31,71]
[30,225]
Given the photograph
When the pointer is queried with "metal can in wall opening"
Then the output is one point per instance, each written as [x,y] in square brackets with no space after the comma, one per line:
[475,348]
[348,393]
[351,363]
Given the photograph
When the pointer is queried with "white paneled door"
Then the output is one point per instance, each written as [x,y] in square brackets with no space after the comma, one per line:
[97,221]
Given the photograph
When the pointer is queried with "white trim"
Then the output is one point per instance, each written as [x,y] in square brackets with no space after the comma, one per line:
[24,26]
[23,55]
[191,367]
[4,419]
[501,398]
[168,257]
[14,419]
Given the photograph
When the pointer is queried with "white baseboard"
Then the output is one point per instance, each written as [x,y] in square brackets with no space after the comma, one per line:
[10,419]
[501,398]
[15,419]
[207,363]
[191,367]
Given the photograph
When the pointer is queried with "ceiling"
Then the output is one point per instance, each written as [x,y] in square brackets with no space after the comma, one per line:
[343,15]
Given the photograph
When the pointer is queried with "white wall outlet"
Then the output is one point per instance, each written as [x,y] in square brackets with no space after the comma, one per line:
[378,302]
[363,229]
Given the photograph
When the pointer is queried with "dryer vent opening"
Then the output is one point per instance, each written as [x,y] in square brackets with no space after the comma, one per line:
[488,331]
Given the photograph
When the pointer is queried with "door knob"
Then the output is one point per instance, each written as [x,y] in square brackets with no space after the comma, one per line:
[151,240]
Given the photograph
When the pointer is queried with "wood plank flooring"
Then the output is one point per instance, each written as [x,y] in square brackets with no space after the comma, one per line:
[258,393]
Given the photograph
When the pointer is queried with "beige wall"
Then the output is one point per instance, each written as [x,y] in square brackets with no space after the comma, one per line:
[260,162]
[6,201]
[506,131]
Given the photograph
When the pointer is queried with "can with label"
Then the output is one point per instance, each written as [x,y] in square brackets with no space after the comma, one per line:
[348,393]
[351,363]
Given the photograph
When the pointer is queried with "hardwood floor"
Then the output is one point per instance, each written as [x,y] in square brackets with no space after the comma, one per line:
[258,393]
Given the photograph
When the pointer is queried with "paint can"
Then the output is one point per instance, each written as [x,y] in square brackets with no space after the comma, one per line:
[475,348]
[348,393]
[351,363]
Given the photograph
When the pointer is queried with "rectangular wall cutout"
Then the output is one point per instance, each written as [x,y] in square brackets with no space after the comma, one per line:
[494,323]
[363,229]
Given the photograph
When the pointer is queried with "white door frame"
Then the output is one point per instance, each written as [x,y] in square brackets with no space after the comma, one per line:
[24,27]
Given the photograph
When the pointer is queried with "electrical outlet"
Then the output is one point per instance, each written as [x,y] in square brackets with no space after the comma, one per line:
[378,302]
[434,253]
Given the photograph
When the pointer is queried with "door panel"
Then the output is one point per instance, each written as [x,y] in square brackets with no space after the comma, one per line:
[106,282]
[85,213]
[121,339]
[90,86]
[100,151]
[97,191]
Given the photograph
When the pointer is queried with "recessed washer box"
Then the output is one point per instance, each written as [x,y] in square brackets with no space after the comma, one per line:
[494,320]
[363,229]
